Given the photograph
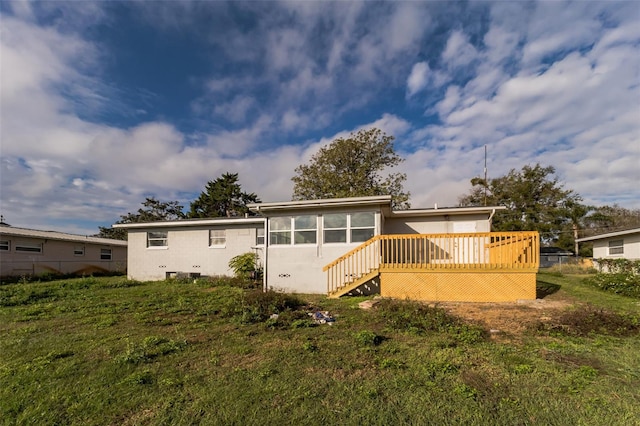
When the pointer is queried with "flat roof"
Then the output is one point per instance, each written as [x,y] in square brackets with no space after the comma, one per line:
[383,200]
[445,211]
[61,236]
[609,235]
[192,222]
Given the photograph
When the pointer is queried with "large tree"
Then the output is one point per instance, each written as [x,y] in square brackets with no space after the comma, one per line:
[223,197]
[353,167]
[152,210]
[535,200]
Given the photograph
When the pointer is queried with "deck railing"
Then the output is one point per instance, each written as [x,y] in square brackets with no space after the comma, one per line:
[491,251]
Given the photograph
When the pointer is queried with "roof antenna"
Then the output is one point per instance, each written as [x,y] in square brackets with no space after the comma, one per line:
[485,175]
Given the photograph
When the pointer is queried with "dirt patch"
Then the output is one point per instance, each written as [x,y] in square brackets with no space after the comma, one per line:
[507,318]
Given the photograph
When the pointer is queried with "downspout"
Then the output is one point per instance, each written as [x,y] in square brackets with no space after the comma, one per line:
[266,251]
[493,211]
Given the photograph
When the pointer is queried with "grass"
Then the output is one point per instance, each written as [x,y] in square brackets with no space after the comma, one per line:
[94,351]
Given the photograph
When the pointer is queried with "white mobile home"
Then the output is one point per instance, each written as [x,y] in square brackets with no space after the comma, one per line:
[33,252]
[346,246]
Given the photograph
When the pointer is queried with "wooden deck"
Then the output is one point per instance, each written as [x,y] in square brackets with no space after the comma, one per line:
[479,267]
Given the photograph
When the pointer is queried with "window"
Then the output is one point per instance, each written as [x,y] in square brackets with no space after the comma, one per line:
[259,236]
[335,228]
[280,230]
[217,237]
[4,245]
[349,228]
[304,229]
[616,247]
[29,247]
[157,239]
[105,254]
[362,227]
[78,251]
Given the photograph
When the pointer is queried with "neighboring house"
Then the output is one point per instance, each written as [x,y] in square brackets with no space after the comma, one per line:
[615,245]
[550,256]
[33,252]
[348,246]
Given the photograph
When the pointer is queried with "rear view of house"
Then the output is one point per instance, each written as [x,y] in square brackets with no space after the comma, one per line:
[349,246]
[32,252]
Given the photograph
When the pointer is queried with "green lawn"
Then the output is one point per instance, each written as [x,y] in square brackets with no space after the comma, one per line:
[109,351]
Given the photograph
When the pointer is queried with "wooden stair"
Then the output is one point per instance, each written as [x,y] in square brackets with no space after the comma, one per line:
[354,284]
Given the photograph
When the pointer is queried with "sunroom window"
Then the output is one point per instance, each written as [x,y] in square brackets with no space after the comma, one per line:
[362,226]
[305,229]
[280,230]
[335,228]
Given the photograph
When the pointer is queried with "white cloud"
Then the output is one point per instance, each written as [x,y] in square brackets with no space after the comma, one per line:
[418,79]
[459,52]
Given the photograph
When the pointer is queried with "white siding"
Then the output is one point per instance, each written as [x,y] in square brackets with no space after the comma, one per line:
[631,244]
[437,224]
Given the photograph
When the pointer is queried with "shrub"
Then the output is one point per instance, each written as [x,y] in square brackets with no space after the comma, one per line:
[245,265]
[256,306]
[622,277]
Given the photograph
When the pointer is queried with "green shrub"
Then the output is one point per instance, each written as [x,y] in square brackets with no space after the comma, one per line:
[246,265]
[621,276]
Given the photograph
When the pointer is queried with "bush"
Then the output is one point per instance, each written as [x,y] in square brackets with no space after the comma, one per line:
[620,276]
[245,265]
[257,306]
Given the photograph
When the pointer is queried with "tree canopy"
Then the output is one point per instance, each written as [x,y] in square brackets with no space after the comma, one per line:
[535,201]
[353,167]
[152,210]
[222,197]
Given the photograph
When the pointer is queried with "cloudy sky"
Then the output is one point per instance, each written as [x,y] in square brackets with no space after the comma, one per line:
[105,103]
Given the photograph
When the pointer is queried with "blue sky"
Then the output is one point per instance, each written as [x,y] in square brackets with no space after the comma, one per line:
[105,103]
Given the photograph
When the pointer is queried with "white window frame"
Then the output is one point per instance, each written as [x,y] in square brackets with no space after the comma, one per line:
[285,230]
[616,247]
[25,247]
[298,231]
[348,229]
[78,251]
[217,238]
[290,232]
[5,245]
[161,237]
[260,236]
[106,254]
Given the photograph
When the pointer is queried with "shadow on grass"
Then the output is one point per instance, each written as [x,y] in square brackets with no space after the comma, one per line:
[545,288]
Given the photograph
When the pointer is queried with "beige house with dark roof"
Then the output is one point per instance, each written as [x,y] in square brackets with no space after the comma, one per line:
[33,252]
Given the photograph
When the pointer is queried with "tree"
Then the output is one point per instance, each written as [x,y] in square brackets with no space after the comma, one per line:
[351,167]
[535,201]
[153,210]
[222,197]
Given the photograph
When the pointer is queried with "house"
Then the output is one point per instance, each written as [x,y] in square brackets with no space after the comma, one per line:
[33,252]
[348,246]
[615,245]
[550,256]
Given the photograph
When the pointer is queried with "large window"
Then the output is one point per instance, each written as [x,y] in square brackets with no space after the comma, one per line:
[157,239]
[105,254]
[303,228]
[217,238]
[616,247]
[4,245]
[29,247]
[348,228]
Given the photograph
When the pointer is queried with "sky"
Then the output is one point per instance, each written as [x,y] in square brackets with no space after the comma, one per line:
[105,103]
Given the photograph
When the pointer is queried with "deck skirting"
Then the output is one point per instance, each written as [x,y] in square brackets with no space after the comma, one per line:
[459,286]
